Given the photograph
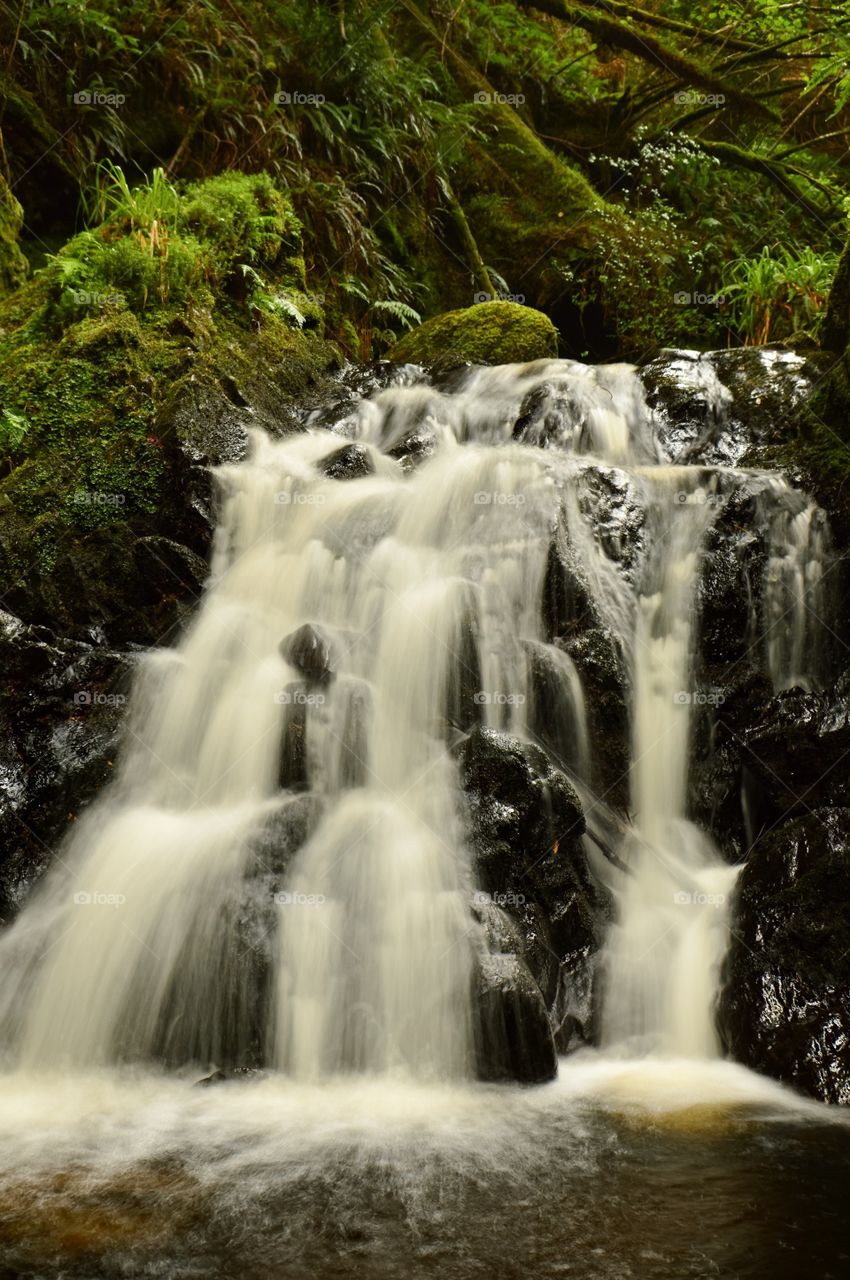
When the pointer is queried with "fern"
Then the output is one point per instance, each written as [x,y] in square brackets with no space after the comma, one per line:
[400,311]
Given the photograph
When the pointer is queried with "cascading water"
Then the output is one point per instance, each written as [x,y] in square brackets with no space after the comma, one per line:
[352,630]
[664,954]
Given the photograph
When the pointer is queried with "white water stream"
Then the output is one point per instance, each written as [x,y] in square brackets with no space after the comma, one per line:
[417,582]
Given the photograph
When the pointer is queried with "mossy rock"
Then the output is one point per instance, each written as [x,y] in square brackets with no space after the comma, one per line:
[129,365]
[487,333]
[13,265]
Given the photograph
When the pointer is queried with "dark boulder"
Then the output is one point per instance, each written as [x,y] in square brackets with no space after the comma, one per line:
[513,1038]
[309,651]
[61,713]
[348,463]
[520,806]
[525,824]
[785,1001]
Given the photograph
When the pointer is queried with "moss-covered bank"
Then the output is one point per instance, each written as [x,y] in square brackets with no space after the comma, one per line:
[198,295]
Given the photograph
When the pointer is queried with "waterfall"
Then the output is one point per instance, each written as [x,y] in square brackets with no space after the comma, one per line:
[279,873]
[664,954]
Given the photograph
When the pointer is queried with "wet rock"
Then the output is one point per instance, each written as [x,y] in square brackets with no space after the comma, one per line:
[293,774]
[547,411]
[282,834]
[463,688]
[309,651]
[730,585]
[568,605]
[599,662]
[524,825]
[723,407]
[217,1077]
[785,1000]
[792,760]
[348,463]
[577,1001]
[556,710]
[719,781]
[239,1074]
[354,734]
[609,501]
[61,713]
[513,1039]
[519,804]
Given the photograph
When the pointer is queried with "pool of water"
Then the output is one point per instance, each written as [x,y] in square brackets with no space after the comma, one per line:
[657,1171]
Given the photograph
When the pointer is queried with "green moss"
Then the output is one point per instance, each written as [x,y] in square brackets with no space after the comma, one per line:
[92,347]
[488,333]
[13,266]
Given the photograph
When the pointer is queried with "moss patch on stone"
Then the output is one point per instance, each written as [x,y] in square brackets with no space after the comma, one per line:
[488,333]
[91,349]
